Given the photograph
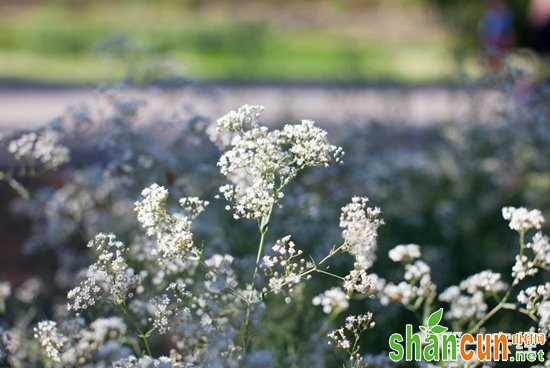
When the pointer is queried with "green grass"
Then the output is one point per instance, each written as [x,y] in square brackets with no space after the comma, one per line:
[59,44]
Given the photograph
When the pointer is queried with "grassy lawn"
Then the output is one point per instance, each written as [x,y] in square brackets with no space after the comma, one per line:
[102,41]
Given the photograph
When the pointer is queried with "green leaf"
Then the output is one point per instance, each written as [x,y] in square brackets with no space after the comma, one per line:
[439,329]
[422,328]
[435,317]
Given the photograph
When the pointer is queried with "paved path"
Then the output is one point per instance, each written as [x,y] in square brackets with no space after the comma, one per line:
[28,106]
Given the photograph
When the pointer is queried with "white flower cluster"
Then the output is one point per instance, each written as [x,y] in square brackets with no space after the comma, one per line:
[521,219]
[360,224]
[110,274]
[359,281]
[72,344]
[29,290]
[534,295]
[347,337]
[405,253]
[333,299]
[194,206]
[537,300]
[172,232]
[52,342]
[260,162]
[522,268]
[160,313]
[540,246]
[417,286]
[485,281]
[354,325]
[467,301]
[233,123]
[540,259]
[463,307]
[43,146]
[285,268]
[149,362]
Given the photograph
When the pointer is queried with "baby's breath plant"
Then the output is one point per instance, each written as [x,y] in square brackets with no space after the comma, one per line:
[476,300]
[40,150]
[211,312]
[244,265]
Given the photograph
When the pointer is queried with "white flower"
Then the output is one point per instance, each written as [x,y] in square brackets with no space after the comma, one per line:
[50,339]
[332,299]
[358,280]
[464,307]
[523,267]
[541,247]
[193,206]
[544,316]
[160,313]
[534,295]
[43,146]
[404,253]
[485,281]
[418,270]
[29,290]
[521,219]
[285,268]
[110,274]
[151,211]
[173,232]
[360,224]
[259,162]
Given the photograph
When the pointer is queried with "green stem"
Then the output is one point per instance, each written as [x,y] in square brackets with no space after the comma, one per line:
[263,226]
[506,296]
[136,327]
[330,274]
[14,184]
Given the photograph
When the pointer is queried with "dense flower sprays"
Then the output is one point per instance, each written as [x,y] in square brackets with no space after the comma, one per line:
[469,301]
[259,163]
[154,297]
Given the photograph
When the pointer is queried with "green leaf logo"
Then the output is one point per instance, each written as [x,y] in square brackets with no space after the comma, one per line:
[433,326]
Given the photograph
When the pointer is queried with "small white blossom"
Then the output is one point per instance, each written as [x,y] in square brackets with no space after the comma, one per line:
[521,219]
[534,295]
[259,162]
[161,313]
[284,268]
[173,232]
[43,146]
[348,336]
[523,267]
[405,253]
[358,281]
[193,206]
[109,275]
[50,339]
[485,281]
[464,307]
[29,290]
[403,292]
[360,224]
[541,249]
[332,299]
[543,311]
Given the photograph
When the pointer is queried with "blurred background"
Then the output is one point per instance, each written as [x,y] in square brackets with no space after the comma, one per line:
[441,106]
[352,41]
